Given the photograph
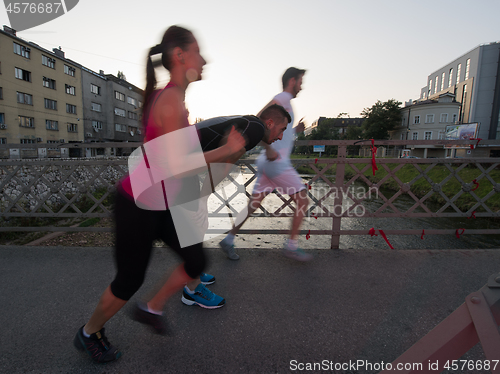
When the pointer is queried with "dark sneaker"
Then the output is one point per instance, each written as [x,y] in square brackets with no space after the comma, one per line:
[97,346]
[228,249]
[203,297]
[207,279]
[156,321]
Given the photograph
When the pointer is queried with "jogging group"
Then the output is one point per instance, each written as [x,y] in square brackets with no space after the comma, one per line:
[162,198]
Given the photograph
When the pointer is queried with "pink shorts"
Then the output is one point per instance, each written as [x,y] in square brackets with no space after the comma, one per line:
[288,183]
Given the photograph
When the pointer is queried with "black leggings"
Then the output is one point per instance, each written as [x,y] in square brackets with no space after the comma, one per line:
[136,229]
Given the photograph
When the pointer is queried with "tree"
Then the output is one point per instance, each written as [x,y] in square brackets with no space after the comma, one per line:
[121,75]
[380,119]
[326,131]
[353,133]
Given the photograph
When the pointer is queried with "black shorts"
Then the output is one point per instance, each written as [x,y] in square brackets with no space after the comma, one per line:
[136,229]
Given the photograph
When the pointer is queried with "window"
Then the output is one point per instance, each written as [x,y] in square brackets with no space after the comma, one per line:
[49,83]
[442,81]
[443,118]
[70,90]
[97,125]
[120,128]
[132,115]
[2,118]
[23,75]
[69,70]
[26,121]
[49,62]
[441,135]
[132,101]
[24,98]
[53,142]
[95,89]
[450,77]
[51,125]
[119,96]
[21,50]
[27,141]
[96,107]
[140,104]
[428,135]
[454,118]
[70,108]
[403,121]
[429,118]
[467,68]
[1,93]
[414,136]
[402,136]
[459,70]
[416,120]
[436,84]
[3,140]
[120,112]
[72,127]
[50,104]
[430,88]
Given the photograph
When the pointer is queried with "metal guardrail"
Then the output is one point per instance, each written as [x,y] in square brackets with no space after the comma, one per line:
[80,188]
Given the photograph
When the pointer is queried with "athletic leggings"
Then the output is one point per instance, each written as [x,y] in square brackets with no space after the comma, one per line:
[136,229]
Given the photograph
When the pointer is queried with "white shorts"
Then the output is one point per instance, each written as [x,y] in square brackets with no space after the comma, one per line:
[288,183]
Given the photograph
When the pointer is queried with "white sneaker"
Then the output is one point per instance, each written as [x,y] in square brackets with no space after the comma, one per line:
[228,249]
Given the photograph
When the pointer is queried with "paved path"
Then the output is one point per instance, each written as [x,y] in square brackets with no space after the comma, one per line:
[345,305]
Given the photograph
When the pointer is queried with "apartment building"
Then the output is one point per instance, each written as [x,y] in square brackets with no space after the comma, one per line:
[474,79]
[40,97]
[47,98]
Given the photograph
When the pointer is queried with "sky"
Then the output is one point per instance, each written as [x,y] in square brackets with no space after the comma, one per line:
[355,52]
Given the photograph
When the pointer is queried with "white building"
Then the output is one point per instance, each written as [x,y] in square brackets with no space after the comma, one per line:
[427,120]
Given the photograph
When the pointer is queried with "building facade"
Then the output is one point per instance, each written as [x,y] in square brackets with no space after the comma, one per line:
[41,96]
[47,98]
[474,79]
[427,120]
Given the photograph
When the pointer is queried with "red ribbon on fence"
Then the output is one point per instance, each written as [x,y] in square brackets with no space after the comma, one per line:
[473,215]
[476,183]
[312,215]
[472,146]
[309,186]
[457,233]
[315,160]
[385,238]
[374,152]
[423,233]
[372,233]
[308,235]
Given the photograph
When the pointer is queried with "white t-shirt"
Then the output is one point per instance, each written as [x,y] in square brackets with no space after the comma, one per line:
[283,147]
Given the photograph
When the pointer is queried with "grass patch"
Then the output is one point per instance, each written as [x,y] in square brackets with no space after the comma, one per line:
[423,184]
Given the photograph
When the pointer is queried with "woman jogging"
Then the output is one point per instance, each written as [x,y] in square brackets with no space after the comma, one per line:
[142,219]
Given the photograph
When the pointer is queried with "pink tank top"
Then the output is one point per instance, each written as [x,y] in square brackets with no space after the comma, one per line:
[152,132]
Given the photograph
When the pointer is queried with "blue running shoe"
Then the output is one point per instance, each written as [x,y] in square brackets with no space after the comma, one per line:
[203,297]
[297,254]
[207,279]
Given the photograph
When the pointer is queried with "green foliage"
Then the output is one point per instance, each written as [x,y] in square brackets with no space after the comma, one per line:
[380,119]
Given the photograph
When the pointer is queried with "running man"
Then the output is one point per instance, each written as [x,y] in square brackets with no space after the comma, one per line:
[275,172]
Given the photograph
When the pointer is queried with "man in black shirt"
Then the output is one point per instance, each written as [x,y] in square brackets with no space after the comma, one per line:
[268,128]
